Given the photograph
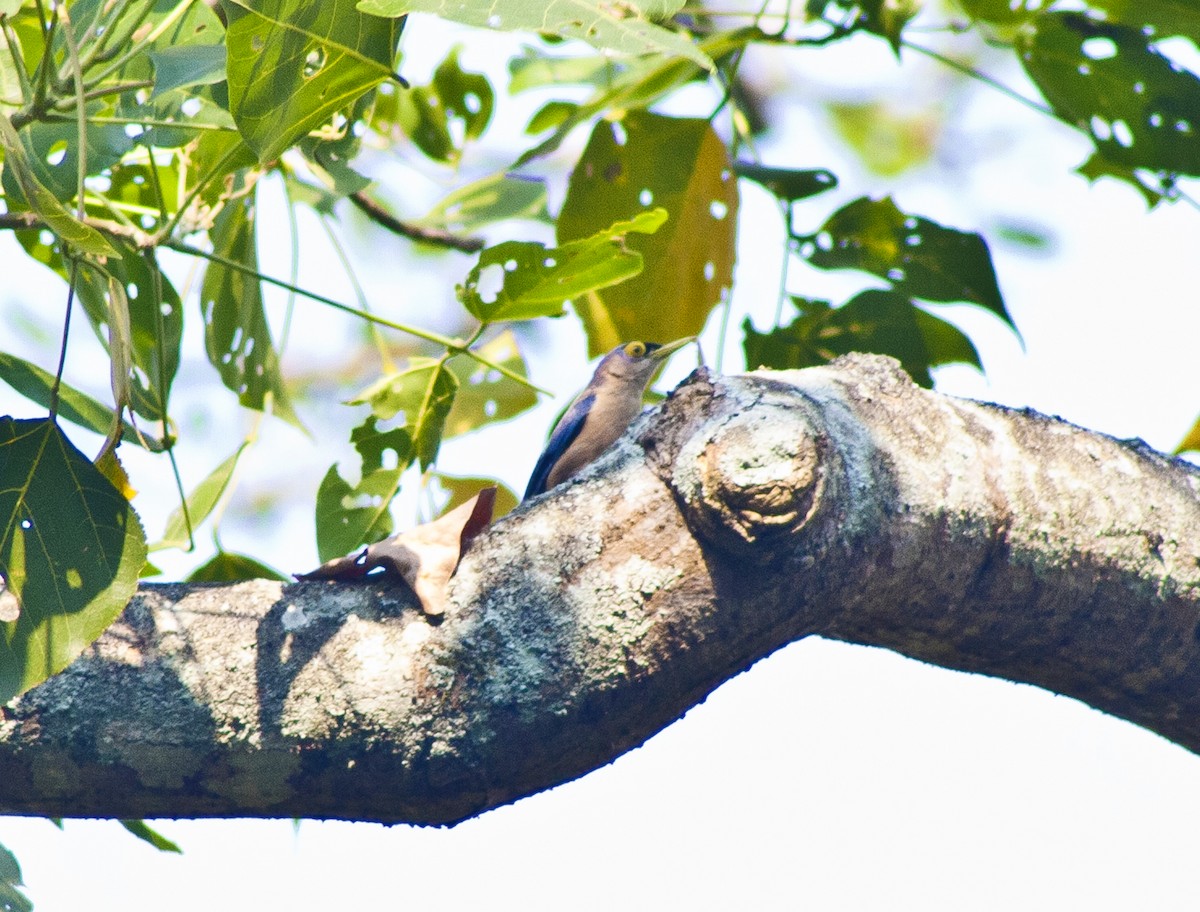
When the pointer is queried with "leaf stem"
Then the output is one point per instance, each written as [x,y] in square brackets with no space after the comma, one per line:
[433,337]
[979,75]
[53,116]
[359,294]
[100,91]
[62,351]
[14,53]
[453,346]
[80,112]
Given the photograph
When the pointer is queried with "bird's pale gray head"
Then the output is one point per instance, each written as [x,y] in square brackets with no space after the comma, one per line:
[636,362]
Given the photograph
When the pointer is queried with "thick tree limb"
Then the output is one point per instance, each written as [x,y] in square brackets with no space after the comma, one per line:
[743,514]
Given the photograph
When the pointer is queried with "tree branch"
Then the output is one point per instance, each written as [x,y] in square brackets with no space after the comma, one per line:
[424,235]
[744,513]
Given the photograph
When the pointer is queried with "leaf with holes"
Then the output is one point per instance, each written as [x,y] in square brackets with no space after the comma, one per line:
[348,516]
[1141,110]
[628,28]
[1164,18]
[424,392]
[71,548]
[442,117]
[293,65]
[789,184]
[52,153]
[523,280]
[874,321]
[484,394]
[236,336]
[681,165]
[920,258]
[1099,166]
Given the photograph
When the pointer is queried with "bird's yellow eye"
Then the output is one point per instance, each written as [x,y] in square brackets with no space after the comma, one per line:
[635,349]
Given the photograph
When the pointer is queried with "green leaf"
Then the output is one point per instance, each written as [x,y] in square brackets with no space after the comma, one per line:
[1099,166]
[1164,18]
[424,392]
[200,504]
[236,335]
[789,184]
[627,28]
[228,567]
[1000,12]
[534,69]
[184,66]
[11,899]
[142,831]
[442,117]
[186,62]
[550,115]
[1141,110]
[79,408]
[486,395]
[294,64]
[10,871]
[945,342]
[523,280]
[874,321]
[490,199]
[463,489]
[348,516]
[919,257]
[71,548]
[31,192]
[52,154]
[682,166]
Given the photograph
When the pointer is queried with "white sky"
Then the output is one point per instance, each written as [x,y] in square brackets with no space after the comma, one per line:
[828,776]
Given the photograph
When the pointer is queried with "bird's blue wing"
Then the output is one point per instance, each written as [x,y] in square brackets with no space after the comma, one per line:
[564,435]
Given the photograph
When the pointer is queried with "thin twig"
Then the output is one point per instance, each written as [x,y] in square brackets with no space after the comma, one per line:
[979,75]
[435,236]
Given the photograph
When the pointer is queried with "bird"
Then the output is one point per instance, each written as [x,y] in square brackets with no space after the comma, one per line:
[601,413]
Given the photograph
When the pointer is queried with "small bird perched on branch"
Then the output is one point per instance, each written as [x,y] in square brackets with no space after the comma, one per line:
[601,413]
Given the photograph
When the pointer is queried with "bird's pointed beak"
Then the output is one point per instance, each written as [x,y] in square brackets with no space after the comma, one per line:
[667,349]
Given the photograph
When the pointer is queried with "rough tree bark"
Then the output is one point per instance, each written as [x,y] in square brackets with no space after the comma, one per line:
[744,513]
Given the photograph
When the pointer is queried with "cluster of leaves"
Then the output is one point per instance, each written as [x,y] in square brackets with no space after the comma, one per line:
[132,126]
